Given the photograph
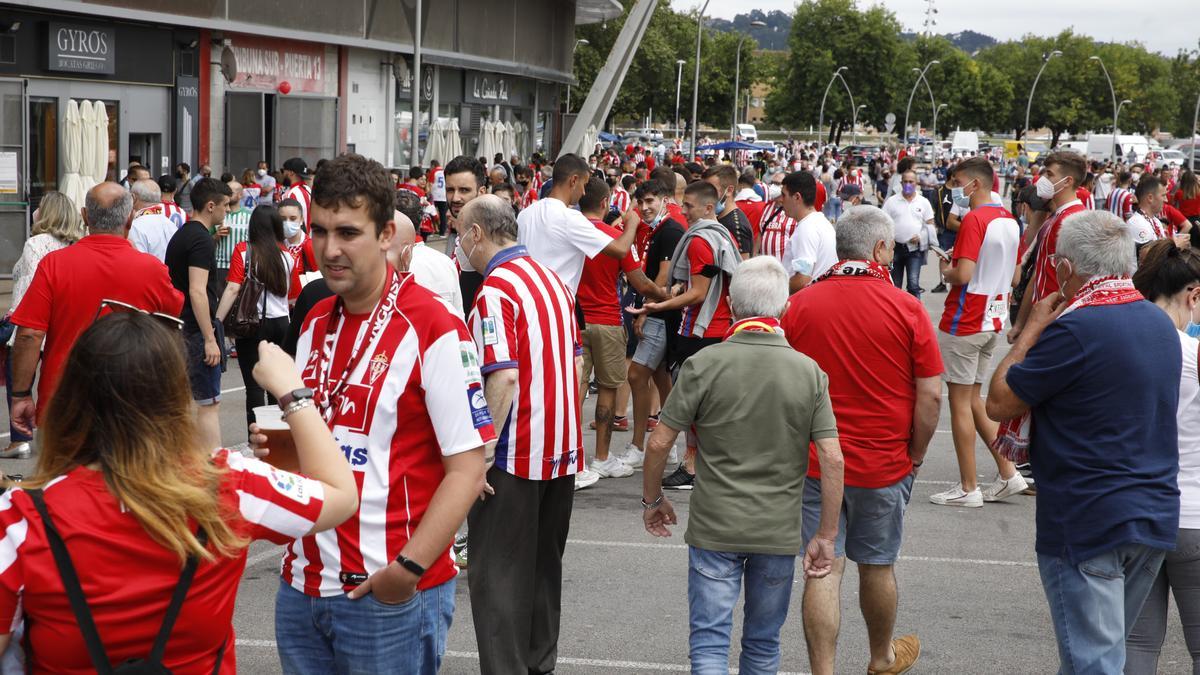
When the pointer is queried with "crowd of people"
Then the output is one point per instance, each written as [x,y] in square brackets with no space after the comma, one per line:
[758,306]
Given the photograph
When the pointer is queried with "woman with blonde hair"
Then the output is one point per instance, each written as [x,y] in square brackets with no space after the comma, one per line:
[125,497]
[57,224]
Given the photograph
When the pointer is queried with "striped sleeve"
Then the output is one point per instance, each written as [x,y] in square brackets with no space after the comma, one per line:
[278,505]
[12,577]
[494,328]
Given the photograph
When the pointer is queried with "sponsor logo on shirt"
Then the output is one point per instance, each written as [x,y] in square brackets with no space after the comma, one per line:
[289,485]
[480,416]
[470,363]
[490,335]
[356,456]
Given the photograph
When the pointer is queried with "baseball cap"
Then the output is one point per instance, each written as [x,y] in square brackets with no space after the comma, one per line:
[297,165]
[850,190]
[166,183]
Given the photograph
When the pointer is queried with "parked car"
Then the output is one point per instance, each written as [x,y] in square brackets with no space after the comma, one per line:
[747,132]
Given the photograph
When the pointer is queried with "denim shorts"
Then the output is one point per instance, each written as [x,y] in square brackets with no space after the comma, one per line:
[652,346]
[205,379]
[871,522]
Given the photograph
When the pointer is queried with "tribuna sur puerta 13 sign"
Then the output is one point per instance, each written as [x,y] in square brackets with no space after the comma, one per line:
[82,49]
[263,63]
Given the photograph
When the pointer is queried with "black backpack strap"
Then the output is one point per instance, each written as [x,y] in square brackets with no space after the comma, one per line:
[70,579]
[177,598]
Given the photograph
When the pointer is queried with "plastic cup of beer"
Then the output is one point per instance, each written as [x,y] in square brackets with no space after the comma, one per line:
[282,448]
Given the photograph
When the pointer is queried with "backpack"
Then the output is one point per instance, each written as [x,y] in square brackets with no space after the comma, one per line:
[152,665]
[244,319]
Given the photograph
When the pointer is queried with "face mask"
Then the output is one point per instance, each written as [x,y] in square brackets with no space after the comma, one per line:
[961,200]
[658,219]
[464,259]
[721,206]
[1193,329]
[908,189]
[262,172]
[774,190]
[1136,176]
[291,228]
[1046,189]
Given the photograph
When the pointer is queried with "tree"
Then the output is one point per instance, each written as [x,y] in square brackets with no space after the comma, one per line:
[827,34]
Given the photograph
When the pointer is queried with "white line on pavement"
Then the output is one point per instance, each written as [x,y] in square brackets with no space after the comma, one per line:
[230,391]
[562,660]
[259,557]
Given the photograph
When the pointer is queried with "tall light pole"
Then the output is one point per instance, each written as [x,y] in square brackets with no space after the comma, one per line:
[415,147]
[737,76]
[696,80]
[854,121]
[580,41]
[1029,105]
[678,88]
[920,77]
[936,144]
[1116,108]
[1119,106]
[821,118]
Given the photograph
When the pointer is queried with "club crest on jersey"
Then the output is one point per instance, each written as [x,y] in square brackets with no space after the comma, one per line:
[378,366]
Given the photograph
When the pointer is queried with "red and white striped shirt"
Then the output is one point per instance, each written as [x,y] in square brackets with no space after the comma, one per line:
[620,199]
[524,318]
[1120,202]
[1045,279]
[303,194]
[176,213]
[853,177]
[422,360]
[108,544]
[530,196]
[777,229]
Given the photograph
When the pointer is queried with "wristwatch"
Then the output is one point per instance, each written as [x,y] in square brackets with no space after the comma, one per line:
[411,565]
[293,396]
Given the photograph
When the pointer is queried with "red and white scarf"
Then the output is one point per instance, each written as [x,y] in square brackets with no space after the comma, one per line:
[857,268]
[755,324]
[1012,440]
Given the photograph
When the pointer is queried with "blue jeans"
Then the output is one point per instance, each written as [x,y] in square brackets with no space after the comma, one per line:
[338,635]
[908,262]
[1094,604]
[15,434]
[833,207]
[946,239]
[714,583]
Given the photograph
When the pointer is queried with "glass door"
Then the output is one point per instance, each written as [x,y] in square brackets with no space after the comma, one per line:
[14,202]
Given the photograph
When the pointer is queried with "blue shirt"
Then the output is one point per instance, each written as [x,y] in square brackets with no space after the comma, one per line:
[1103,383]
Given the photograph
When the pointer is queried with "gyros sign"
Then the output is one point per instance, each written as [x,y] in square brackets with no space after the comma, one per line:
[82,49]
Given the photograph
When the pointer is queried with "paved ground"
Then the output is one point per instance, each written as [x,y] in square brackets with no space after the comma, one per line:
[968,583]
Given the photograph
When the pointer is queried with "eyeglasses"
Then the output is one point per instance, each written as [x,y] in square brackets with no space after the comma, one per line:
[116,306]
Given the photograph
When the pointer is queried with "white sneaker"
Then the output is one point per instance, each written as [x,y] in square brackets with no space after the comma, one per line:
[634,457]
[1001,489]
[585,479]
[611,468]
[956,496]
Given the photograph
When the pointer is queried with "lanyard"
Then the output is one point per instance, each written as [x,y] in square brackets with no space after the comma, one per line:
[325,398]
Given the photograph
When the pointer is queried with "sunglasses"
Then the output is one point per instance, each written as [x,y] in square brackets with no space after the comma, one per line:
[116,306]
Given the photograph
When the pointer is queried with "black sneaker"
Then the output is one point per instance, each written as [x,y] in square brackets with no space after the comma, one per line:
[680,480]
[940,288]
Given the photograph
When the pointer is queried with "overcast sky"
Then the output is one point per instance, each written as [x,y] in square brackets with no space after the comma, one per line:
[1168,26]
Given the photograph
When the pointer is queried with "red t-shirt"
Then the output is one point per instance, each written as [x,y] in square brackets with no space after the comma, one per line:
[676,212]
[753,211]
[989,236]
[67,289]
[1174,217]
[819,202]
[872,340]
[1083,195]
[700,256]
[1189,207]
[597,295]
[128,577]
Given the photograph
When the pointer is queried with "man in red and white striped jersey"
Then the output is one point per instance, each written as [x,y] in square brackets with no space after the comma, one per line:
[380,356]
[524,325]
[296,173]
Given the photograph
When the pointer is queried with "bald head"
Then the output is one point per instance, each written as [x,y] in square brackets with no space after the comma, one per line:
[493,215]
[399,253]
[680,186]
[145,193]
[108,209]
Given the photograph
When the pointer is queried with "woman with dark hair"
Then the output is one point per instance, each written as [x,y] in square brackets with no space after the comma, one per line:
[1169,277]
[261,257]
[127,496]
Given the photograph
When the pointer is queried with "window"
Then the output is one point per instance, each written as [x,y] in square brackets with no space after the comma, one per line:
[43,148]
[306,128]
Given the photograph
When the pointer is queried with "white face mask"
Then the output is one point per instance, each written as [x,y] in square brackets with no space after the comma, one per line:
[291,228]
[262,172]
[1045,188]
[460,254]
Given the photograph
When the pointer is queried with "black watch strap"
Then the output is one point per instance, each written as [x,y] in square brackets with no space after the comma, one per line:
[293,396]
[24,393]
[411,565]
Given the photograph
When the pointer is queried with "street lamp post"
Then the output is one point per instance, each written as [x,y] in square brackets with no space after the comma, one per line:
[580,41]
[1116,108]
[737,75]
[854,121]
[936,144]
[1118,117]
[696,80]
[821,118]
[1029,105]
[916,84]
[678,88]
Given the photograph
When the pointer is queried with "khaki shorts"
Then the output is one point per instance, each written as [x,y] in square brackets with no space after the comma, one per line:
[604,350]
[968,357]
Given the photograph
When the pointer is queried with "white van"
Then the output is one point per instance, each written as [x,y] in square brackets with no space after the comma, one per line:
[1100,147]
[1075,146]
[964,143]
[747,133]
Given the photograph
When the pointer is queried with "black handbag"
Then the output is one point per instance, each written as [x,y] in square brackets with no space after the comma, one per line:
[153,665]
[244,318]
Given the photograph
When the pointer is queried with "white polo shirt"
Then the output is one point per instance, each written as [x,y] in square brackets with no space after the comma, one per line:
[812,248]
[911,218]
[436,272]
[559,237]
